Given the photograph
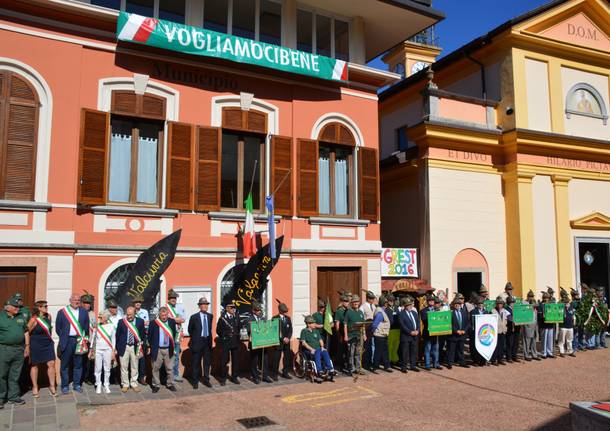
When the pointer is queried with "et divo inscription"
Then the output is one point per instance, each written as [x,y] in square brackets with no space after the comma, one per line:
[468,156]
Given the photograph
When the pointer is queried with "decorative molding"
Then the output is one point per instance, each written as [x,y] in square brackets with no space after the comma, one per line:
[13,219]
[338,221]
[593,221]
[596,95]
[133,211]
[336,117]
[235,101]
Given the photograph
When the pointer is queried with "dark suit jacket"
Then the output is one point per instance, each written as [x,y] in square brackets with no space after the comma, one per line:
[153,338]
[121,335]
[285,328]
[475,312]
[406,324]
[465,326]
[62,326]
[424,319]
[227,330]
[197,342]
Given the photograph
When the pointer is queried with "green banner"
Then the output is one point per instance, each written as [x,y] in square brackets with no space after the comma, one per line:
[198,41]
[265,333]
[489,305]
[393,344]
[553,313]
[524,314]
[439,322]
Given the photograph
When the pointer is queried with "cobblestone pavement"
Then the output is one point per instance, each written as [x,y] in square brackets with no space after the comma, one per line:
[527,395]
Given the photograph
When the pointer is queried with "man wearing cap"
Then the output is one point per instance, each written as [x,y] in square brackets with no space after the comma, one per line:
[352,334]
[512,332]
[409,334]
[318,316]
[341,353]
[460,325]
[577,342]
[142,313]
[227,330]
[483,292]
[313,345]
[129,348]
[283,349]
[116,314]
[161,339]
[547,330]
[381,330]
[368,308]
[257,356]
[566,328]
[502,315]
[430,341]
[601,336]
[23,310]
[477,359]
[177,313]
[72,327]
[14,347]
[530,333]
[508,291]
[200,342]
[87,301]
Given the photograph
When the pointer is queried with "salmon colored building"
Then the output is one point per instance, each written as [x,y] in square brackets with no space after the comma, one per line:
[107,147]
[499,154]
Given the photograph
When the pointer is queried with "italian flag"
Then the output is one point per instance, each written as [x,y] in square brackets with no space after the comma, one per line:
[248,233]
[138,28]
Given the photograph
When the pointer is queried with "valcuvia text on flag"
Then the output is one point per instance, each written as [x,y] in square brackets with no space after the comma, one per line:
[144,278]
[250,285]
[198,41]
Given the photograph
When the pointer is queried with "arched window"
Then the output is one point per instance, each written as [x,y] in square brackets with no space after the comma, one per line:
[18,135]
[335,170]
[228,282]
[117,278]
[584,99]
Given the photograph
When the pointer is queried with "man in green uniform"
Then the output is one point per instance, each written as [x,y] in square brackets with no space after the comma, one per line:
[341,351]
[314,346]
[14,347]
[23,310]
[351,335]
[318,316]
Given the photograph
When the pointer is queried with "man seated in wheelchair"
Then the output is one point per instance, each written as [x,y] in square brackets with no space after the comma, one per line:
[313,347]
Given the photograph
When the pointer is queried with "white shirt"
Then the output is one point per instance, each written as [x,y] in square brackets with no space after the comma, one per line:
[115,319]
[76,313]
[100,343]
[143,314]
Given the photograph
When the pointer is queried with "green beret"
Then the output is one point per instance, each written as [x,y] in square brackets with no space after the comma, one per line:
[355,298]
[13,301]
[345,297]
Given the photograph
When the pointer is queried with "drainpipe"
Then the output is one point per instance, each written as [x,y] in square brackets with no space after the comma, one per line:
[483,83]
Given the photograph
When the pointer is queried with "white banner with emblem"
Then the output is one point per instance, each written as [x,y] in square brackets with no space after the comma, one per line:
[486,334]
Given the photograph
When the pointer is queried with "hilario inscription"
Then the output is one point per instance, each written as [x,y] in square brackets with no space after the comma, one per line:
[578,164]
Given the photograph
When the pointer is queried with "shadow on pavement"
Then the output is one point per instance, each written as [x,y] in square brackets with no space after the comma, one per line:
[561,423]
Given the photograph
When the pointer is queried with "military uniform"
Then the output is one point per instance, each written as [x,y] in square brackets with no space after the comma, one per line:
[353,316]
[341,347]
[283,349]
[13,331]
[529,334]
[578,341]
[227,330]
[318,318]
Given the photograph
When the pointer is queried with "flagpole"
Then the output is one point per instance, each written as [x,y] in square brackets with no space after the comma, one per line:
[253,173]
[281,182]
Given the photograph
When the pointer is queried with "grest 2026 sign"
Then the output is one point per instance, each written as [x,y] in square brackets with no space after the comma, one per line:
[399,262]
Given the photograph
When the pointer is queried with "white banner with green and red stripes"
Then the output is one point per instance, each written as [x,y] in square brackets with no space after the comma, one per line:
[198,41]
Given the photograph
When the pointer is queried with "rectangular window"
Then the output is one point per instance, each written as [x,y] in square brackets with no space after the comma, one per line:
[323,38]
[134,161]
[141,7]
[270,22]
[304,30]
[240,155]
[215,15]
[172,10]
[244,18]
[334,180]
[402,140]
[341,40]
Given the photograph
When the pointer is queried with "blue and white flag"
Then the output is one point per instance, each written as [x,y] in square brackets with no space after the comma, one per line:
[271,222]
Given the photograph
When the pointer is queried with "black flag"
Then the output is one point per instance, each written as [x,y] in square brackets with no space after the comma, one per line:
[145,276]
[252,282]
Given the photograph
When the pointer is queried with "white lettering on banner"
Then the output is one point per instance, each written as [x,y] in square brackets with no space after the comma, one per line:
[184,37]
[198,40]
[399,262]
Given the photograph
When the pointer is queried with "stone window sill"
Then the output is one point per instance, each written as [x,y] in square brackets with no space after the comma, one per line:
[241,217]
[25,205]
[335,221]
[133,211]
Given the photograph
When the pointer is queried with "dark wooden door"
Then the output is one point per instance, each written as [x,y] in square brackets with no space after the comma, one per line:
[333,280]
[22,280]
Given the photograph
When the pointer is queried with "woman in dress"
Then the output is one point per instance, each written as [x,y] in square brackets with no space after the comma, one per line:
[103,350]
[42,347]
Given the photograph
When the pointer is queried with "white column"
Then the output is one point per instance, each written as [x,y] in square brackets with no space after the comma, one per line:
[357,47]
[289,23]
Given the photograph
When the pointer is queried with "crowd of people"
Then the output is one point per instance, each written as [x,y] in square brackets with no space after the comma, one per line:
[90,347]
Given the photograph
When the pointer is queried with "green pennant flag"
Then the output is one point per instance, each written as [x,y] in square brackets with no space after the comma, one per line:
[328,318]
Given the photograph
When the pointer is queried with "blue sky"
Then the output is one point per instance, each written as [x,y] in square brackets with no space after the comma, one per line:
[468,19]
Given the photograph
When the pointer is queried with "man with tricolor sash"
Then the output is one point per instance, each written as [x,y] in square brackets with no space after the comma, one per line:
[161,340]
[176,312]
[129,348]
[72,327]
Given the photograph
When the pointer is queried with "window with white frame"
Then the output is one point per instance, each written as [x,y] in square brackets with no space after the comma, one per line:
[254,19]
[322,34]
[170,10]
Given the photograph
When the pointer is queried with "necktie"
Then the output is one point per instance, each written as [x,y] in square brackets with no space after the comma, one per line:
[412,319]
[130,341]
[459,317]
[204,330]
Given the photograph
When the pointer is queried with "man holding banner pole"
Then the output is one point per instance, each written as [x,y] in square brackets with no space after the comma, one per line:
[176,313]
[477,358]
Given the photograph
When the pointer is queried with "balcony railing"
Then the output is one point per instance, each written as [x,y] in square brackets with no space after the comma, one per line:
[426,37]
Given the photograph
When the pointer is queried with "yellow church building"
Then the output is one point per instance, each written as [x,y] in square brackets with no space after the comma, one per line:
[496,158]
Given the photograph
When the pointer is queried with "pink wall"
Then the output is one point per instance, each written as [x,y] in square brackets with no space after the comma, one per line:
[458,110]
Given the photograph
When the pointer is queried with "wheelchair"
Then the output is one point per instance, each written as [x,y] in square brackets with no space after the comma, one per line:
[304,367]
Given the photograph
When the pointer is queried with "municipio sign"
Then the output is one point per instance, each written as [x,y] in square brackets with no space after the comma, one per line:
[399,262]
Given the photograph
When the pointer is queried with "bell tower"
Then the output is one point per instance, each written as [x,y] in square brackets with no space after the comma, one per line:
[414,54]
